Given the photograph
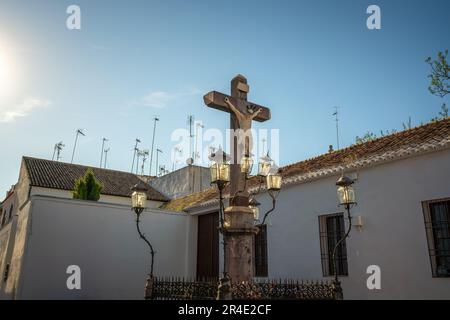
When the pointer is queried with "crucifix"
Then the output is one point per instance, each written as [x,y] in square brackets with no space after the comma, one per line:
[239,230]
[242,113]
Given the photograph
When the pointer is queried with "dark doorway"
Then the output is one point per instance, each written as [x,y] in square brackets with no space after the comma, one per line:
[208,246]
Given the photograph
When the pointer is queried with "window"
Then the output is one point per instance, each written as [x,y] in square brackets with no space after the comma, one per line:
[437,216]
[331,230]
[260,249]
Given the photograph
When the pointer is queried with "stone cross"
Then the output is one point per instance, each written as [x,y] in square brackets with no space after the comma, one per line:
[242,112]
[239,228]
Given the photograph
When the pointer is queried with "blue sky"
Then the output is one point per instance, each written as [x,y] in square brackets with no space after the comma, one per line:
[134,59]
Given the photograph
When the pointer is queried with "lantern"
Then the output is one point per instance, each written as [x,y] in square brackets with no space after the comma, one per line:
[139,197]
[220,168]
[345,191]
[254,206]
[220,173]
[246,165]
[264,166]
[273,180]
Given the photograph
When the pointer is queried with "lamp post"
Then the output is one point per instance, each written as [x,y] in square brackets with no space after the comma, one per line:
[346,197]
[138,203]
[220,176]
[273,185]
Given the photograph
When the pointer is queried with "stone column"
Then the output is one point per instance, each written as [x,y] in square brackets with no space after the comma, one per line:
[239,234]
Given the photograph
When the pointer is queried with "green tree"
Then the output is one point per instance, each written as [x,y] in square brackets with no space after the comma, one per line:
[87,187]
[440,75]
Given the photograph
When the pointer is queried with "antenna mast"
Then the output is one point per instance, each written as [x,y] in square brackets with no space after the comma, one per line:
[134,153]
[336,114]
[103,146]
[79,132]
[196,153]
[155,119]
[158,151]
[106,156]
[190,121]
[144,154]
[57,150]
[177,152]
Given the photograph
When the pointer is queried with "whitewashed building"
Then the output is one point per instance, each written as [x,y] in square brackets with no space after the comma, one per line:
[401,225]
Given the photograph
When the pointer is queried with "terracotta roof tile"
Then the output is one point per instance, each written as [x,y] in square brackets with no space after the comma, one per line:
[431,133]
[60,175]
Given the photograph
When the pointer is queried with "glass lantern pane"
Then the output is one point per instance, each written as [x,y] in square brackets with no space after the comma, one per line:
[138,199]
[346,195]
[246,165]
[134,199]
[264,168]
[214,169]
[274,182]
[351,194]
[255,212]
[143,199]
[224,172]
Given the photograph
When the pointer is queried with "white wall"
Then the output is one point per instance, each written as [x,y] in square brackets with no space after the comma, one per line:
[393,236]
[102,240]
[186,180]
[67,194]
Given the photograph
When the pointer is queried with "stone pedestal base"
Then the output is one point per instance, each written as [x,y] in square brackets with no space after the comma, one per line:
[238,235]
[149,289]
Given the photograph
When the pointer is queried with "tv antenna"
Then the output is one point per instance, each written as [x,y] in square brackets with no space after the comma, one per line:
[162,170]
[176,150]
[134,152]
[212,149]
[79,132]
[57,150]
[155,119]
[144,154]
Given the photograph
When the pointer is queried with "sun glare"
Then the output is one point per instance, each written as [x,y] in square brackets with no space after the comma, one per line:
[6,74]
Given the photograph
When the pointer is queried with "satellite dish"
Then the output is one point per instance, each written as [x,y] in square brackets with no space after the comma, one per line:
[189,161]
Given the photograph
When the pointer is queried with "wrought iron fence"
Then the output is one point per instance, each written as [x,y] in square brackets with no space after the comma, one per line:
[206,289]
[184,289]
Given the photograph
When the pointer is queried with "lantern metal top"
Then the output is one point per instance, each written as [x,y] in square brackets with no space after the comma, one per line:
[274,170]
[344,181]
[139,187]
[266,158]
[219,156]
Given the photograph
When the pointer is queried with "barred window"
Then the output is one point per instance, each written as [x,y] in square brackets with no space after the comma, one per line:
[331,230]
[437,216]
[260,249]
